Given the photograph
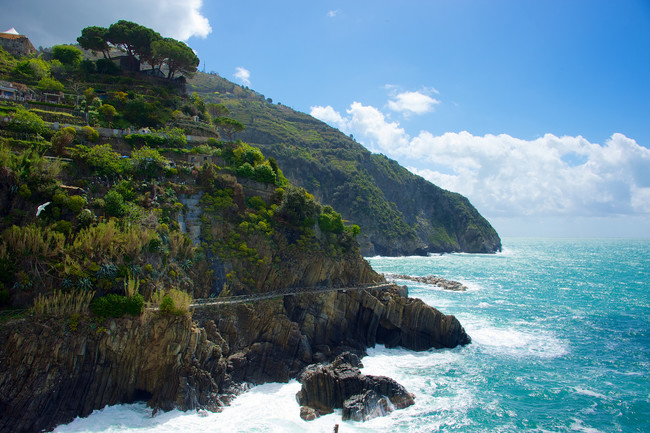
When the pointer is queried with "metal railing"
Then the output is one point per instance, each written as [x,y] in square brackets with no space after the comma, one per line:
[225,300]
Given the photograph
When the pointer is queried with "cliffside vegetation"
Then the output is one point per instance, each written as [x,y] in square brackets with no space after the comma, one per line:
[399,213]
[99,166]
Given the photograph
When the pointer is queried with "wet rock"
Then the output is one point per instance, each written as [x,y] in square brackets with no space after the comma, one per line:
[340,385]
[433,280]
[362,407]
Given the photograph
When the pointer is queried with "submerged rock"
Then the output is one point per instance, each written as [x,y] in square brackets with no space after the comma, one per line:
[340,385]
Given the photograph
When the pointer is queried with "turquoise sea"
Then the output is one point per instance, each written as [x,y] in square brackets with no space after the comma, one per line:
[561,343]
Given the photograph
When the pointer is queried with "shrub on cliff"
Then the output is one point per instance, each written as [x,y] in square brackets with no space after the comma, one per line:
[174,301]
[114,305]
[298,207]
[90,133]
[330,220]
[264,173]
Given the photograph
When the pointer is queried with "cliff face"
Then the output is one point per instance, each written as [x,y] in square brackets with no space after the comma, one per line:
[52,373]
[274,340]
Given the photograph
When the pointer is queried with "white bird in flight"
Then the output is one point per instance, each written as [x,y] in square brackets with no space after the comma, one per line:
[41,208]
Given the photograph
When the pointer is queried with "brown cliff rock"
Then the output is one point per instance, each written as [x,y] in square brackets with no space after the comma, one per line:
[363,318]
[51,374]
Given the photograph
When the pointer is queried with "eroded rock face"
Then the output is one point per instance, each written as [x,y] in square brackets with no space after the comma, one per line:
[363,318]
[52,373]
[340,385]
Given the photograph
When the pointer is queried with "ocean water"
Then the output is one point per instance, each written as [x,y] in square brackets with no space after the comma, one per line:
[561,343]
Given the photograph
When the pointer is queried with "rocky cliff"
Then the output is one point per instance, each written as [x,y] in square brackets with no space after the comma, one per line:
[51,373]
[54,370]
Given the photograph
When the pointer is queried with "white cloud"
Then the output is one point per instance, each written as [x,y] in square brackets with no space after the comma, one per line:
[333,13]
[412,103]
[243,75]
[179,19]
[507,176]
[371,123]
[367,121]
[329,116]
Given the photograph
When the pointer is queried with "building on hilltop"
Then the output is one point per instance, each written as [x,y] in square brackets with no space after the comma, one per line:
[16,44]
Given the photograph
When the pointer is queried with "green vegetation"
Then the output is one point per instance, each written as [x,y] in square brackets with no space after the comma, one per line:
[67,54]
[26,121]
[114,305]
[174,302]
[399,212]
[89,218]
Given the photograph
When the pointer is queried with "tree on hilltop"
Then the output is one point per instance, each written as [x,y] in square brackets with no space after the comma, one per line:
[143,43]
[177,55]
[95,39]
[133,38]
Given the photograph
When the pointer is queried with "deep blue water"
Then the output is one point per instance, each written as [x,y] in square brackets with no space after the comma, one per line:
[561,342]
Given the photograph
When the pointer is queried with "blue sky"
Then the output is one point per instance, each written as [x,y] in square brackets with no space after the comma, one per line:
[539,112]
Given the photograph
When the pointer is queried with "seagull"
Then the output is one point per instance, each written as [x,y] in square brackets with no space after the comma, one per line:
[41,208]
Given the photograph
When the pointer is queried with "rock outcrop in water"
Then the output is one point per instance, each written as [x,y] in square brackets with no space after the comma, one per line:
[52,373]
[433,280]
[340,385]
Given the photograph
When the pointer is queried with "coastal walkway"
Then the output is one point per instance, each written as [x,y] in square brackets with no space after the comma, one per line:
[226,300]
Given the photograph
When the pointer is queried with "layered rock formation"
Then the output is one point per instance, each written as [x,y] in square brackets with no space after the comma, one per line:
[340,385]
[51,373]
[55,370]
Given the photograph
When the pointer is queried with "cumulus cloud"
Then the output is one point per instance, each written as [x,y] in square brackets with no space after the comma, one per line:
[368,121]
[372,124]
[179,19]
[330,116]
[547,176]
[507,176]
[243,75]
[412,103]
